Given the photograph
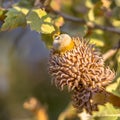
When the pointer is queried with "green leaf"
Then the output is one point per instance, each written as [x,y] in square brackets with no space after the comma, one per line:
[114,88]
[13,20]
[47,39]
[40,21]
[107,112]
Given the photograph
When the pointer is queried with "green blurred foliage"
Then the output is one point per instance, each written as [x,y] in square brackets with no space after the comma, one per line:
[107,112]
[13,20]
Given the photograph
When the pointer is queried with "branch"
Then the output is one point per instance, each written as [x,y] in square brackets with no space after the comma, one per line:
[89,24]
[109,54]
[112,51]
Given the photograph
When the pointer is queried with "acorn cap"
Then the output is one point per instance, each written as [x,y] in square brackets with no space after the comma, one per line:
[81,65]
[82,71]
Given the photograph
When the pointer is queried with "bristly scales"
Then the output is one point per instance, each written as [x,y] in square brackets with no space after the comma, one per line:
[81,66]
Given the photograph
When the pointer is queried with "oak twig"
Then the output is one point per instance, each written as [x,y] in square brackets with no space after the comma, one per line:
[109,54]
[89,24]
[112,51]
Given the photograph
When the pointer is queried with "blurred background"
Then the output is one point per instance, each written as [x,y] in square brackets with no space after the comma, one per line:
[24,56]
[23,74]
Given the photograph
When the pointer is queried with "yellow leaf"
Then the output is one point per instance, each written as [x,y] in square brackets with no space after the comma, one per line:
[20,9]
[91,15]
[59,21]
[48,19]
[46,28]
[40,12]
[116,23]
[97,38]
[97,42]
[89,3]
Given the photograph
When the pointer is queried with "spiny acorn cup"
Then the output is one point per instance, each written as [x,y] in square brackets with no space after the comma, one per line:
[83,98]
[78,64]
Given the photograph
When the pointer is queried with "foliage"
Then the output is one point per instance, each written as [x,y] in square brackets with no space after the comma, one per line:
[97,20]
[13,20]
[40,21]
[107,112]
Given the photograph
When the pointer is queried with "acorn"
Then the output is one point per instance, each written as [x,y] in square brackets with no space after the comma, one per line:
[76,64]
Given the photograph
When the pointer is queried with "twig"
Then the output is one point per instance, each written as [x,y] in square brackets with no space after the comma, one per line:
[111,52]
[89,24]
[71,18]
